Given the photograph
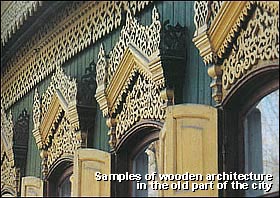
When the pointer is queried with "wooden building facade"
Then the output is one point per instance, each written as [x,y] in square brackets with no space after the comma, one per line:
[136,87]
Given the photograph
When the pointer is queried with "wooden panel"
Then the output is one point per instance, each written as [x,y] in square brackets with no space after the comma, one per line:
[31,187]
[189,138]
[188,143]
[86,163]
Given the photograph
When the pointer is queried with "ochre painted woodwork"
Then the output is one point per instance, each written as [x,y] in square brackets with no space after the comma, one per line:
[13,151]
[31,187]
[130,80]
[235,39]
[188,143]
[263,45]
[212,41]
[56,123]
[54,104]
[86,163]
[9,172]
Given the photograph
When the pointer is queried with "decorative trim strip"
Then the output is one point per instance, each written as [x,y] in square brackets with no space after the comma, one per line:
[90,22]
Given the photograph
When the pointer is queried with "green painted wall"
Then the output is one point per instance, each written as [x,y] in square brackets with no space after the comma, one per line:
[195,79]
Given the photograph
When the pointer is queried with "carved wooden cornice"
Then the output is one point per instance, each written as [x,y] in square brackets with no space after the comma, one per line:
[214,37]
[131,80]
[222,38]
[14,16]
[70,31]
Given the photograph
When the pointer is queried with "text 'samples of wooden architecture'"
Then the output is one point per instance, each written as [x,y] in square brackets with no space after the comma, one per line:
[114,88]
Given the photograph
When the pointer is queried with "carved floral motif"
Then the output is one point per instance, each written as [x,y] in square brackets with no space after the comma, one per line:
[65,142]
[142,102]
[56,113]
[231,51]
[9,175]
[201,14]
[259,41]
[7,128]
[67,88]
[130,79]
[146,39]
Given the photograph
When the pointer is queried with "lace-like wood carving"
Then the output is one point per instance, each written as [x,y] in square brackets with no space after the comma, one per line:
[142,102]
[14,16]
[9,173]
[130,80]
[56,123]
[259,41]
[71,31]
[236,37]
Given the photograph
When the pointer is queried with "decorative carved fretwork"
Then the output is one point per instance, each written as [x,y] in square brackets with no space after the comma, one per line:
[67,89]
[64,143]
[146,39]
[14,16]
[236,36]
[9,173]
[7,132]
[132,80]
[136,37]
[9,176]
[71,31]
[142,102]
[217,26]
[59,97]
[259,41]
[215,7]
[56,121]
[201,16]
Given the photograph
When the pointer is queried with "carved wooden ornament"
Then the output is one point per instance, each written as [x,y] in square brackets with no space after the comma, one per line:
[130,80]
[235,39]
[56,122]
[9,173]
